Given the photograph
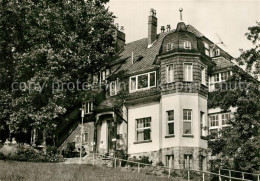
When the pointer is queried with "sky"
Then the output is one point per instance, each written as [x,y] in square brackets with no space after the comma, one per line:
[228,19]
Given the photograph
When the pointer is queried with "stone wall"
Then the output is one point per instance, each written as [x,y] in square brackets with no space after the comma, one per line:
[178,152]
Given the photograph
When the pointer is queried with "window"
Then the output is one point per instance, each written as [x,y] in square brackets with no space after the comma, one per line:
[187,161]
[187,118]
[169,46]
[217,52]
[188,75]
[202,124]
[225,118]
[133,83]
[170,122]
[214,120]
[169,160]
[86,137]
[152,79]
[206,49]
[143,129]
[203,75]
[169,73]
[113,88]
[216,77]
[224,76]
[143,81]
[88,107]
[187,45]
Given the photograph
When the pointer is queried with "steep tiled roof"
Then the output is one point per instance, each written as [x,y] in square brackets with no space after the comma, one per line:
[140,48]
[221,63]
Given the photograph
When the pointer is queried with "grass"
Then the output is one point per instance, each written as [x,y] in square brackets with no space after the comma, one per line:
[18,171]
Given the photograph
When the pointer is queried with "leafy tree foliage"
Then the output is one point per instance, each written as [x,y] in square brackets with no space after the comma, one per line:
[44,43]
[239,146]
[251,58]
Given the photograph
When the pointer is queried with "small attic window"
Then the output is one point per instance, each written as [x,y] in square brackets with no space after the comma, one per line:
[217,52]
[139,57]
[187,45]
[169,46]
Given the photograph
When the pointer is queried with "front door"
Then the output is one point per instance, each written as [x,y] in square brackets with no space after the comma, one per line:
[111,135]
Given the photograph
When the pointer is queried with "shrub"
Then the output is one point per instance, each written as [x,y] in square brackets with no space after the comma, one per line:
[32,155]
[160,163]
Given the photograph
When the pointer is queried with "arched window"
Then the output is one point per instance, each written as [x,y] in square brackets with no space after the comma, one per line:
[187,45]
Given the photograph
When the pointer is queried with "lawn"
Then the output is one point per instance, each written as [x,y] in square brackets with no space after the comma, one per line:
[12,170]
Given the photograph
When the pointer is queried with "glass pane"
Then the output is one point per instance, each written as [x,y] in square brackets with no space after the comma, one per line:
[143,81]
[113,88]
[170,73]
[170,115]
[186,127]
[170,128]
[152,79]
[133,83]
[140,135]
[147,134]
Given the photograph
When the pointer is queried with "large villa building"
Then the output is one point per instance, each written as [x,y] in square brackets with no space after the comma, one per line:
[153,98]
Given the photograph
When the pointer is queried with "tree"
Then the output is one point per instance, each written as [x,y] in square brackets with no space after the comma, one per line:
[239,146]
[48,48]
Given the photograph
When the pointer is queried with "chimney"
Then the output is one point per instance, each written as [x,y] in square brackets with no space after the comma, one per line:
[162,29]
[152,27]
[168,28]
[119,37]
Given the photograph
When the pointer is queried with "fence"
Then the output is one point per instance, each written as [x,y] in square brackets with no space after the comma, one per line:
[203,174]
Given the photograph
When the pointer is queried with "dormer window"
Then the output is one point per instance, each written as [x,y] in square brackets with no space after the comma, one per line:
[217,52]
[143,81]
[169,46]
[187,45]
[88,107]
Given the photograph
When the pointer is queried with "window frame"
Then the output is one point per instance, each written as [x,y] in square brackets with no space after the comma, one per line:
[225,120]
[169,47]
[184,76]
[203,75]
[187,45]
[187,121]
[110,88]
[215,121]
[143,128]
[167,72]
[169,122]
[207,49]
[136,79]
[88,107]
